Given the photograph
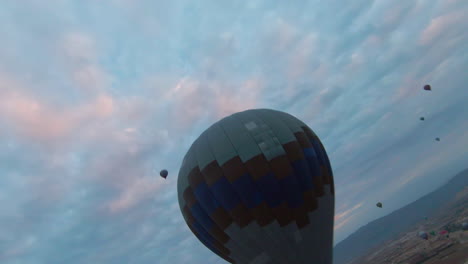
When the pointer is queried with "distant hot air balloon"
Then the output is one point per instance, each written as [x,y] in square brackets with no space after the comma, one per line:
[444,232]
[421,118]
[163,173]
[427,87]
[379,204]
[257,187]
[465,225]
[423,235]
[437,139]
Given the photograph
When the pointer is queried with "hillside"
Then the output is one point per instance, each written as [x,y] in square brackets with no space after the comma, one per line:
[391,226]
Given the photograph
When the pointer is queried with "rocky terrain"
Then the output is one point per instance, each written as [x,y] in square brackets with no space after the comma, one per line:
[409,248]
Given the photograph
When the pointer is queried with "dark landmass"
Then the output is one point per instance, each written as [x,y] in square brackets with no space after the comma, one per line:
[393,238]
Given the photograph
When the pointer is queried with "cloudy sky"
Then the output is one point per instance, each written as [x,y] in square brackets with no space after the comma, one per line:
[97,96]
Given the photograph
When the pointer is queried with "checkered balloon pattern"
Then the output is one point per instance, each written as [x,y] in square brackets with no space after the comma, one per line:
[257,187]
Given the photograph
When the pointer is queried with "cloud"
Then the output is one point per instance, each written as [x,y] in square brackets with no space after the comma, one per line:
[79,47]
[140,189]
[301,55]
[42,122]
[243,98]
[96,99]
[81,55]
[342,217]
[441,26]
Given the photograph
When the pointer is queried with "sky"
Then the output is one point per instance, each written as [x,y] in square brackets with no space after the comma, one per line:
[97,96]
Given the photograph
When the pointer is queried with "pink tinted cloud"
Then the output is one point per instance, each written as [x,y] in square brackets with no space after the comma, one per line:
[38,120]
[54,130]
[236,100]
[190,100]
[138,190]
[442,24]
[121,165]
[33,118]
[345,216]
[193,99]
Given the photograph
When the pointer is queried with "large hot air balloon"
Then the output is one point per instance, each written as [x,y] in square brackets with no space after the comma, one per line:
[163,174]
[257,187]
[379,204]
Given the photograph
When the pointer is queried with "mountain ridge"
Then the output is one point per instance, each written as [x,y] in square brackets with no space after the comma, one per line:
[389,226]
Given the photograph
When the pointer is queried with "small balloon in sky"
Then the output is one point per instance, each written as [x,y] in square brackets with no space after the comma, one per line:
[427,87]
[421,118]
[163,173]
[379,204]
[437,139]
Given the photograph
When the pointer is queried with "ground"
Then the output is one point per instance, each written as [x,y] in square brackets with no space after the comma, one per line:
[408,248]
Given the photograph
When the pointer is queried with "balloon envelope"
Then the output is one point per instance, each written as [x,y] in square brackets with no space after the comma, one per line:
[257,187]
[423,235]
[163,173]
[465,225]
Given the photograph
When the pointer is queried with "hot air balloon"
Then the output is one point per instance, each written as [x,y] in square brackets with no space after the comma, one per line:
[421,118]
[423,235]
[465,225]
[257,187]
[427,87]
[163,173]
[379,204]
[437,139]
